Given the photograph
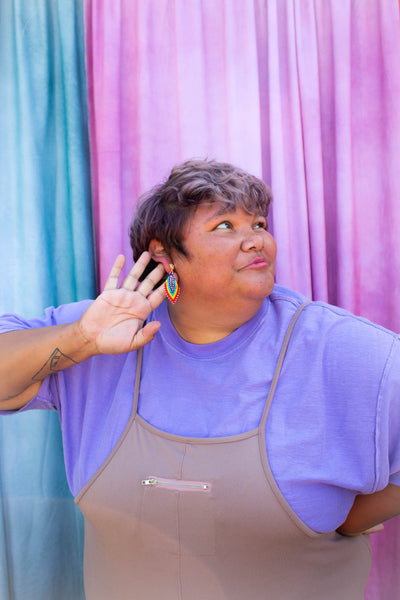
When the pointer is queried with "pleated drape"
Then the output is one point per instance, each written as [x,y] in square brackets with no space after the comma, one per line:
[168,80]
[329,91]
[303,92]
[47,258]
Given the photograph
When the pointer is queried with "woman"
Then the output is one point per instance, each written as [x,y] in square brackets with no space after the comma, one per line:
[216,449]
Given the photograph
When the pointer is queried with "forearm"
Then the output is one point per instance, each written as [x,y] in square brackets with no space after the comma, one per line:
[112,324]
[28,356]
[372,509]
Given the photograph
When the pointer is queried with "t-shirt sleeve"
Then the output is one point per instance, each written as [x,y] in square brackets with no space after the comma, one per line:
[366,373]
[47,398]
[65,313]
[389,417]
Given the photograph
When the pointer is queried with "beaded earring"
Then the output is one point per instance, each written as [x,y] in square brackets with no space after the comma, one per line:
[171,286]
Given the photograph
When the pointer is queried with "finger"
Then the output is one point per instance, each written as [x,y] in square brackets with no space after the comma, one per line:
[156,297]
[112,280]
[375,529]
[130,281]
[150,281]
[146,334]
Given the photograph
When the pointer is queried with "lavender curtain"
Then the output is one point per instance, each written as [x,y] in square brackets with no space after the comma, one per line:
[304,93]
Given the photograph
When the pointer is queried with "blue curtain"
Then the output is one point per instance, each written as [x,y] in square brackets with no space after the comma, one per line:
[46,243]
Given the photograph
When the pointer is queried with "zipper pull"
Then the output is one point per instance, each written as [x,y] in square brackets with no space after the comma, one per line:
[151,481]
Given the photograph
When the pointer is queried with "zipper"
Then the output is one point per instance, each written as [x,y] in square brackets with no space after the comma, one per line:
[179,485]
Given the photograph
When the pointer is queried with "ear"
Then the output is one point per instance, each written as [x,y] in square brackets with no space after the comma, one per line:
[158,254]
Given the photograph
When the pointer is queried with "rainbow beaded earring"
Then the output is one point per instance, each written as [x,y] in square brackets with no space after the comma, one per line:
[171,286]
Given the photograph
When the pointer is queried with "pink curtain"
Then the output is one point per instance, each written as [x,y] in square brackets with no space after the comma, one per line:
[168,80]
[330,89]
[304,93]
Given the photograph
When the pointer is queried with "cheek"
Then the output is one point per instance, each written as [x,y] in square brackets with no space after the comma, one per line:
[207,269]
[270,246]
[207,256]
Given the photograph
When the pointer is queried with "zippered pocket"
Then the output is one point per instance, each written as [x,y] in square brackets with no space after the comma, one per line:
[179,485]
[177,516]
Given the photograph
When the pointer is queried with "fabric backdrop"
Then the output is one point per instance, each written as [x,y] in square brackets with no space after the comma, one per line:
[302,92]
[46,259]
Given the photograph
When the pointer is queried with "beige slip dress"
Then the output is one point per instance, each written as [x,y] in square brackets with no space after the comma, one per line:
[180,518]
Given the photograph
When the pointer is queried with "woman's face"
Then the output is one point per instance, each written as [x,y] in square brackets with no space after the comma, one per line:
[231,257]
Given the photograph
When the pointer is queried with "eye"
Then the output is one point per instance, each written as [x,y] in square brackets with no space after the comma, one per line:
[224,225]
[261,225]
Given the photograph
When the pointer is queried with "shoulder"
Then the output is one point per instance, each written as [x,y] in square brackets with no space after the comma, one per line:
[281,294]
[346,350]
[323,318]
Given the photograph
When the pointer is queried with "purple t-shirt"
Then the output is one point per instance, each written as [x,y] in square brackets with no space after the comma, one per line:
[334,423]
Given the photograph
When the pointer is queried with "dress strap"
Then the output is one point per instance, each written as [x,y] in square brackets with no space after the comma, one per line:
[139,361]
[278,368]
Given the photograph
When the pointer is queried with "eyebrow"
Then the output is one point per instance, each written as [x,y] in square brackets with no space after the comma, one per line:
[223,210]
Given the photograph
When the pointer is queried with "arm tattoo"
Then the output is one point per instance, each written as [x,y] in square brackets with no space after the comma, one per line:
[8,398]
[52,365]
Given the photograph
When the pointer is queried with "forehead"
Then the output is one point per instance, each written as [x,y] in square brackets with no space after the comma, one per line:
[216,208]
[206,212]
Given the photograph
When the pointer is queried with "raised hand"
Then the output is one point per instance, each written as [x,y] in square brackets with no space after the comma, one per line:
[113,323]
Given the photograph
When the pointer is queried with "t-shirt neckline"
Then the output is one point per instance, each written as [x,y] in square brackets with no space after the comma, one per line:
[231,342]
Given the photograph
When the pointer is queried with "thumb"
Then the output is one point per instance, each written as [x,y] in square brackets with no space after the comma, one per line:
[146,334]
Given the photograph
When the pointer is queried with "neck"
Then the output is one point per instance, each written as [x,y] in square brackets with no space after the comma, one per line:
[205,326]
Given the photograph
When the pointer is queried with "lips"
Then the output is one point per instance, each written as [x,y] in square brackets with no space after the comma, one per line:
[256,263]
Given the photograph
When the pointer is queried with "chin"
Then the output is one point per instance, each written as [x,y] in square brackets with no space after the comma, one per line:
[259,292]
[261,287]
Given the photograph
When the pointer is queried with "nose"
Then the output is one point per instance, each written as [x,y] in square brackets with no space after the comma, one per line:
[253,241]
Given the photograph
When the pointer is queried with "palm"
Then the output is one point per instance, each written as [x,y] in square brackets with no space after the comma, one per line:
[114,321]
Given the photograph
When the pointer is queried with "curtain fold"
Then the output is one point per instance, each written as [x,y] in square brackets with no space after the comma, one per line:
[46,242]
[328,87]
[168,80]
